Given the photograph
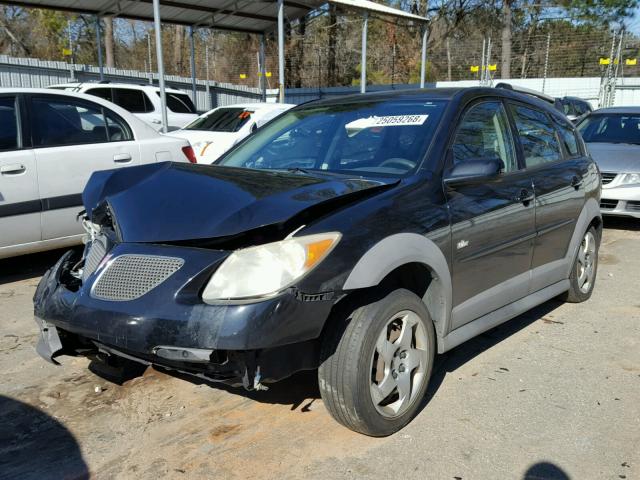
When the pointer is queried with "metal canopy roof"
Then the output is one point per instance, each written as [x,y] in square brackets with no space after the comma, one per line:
[234,15]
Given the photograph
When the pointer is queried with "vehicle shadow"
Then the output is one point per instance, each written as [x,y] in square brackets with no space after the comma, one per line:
[454,359]
[301,389]
[621,223]
[545,471]
[29,266]
[33,443]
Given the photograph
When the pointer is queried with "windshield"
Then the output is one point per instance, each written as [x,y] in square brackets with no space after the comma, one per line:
[611,128]
[221,120]
[383,137]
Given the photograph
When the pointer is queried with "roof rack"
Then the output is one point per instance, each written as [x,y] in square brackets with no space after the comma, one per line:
[527,91]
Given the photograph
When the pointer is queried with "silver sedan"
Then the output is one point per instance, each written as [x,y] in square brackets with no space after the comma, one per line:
[612,136]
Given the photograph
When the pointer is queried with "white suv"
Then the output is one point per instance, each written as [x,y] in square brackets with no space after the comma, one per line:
[50,144]
[141,100]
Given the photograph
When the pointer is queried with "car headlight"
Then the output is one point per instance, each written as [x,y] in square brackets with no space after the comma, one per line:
[265,270]
[201,147]
[629,179]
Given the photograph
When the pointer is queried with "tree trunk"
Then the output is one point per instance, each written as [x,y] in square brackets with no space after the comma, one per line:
[506,39]
[178,41]
[109,43]
[331,54]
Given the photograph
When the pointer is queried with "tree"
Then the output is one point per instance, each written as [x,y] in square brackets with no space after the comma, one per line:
[505,70]
[109,43]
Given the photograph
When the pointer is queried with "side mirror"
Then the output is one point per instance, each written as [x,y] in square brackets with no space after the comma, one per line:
[474,171]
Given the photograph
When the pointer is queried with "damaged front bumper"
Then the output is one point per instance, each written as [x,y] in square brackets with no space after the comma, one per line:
[169,326]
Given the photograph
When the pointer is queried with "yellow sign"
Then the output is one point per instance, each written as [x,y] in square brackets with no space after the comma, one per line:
[66,52]
[493,68]
[605,61]
[243,76]
[266,74]
[631,61]
[474,68]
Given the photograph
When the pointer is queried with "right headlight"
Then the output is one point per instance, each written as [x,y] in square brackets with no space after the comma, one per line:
[265,270]
[629,179]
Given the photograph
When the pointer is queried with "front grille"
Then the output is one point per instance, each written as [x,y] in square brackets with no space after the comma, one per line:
[608,204]
[129,277]
[97,251]
[633,206]
[608,177]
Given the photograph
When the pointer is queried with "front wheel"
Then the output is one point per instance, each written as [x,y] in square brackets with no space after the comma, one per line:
[376,364]
[585,268]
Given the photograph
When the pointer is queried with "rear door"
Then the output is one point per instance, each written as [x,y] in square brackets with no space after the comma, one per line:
[557,167]
[492,222]
[72,138]
[19,200]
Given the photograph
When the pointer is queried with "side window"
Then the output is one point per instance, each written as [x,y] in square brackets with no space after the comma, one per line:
[131,100]
[8,124]
[537,135]
[568,138]
[101,92]
[179,103]
[65,121]
[484,132]
[117,129]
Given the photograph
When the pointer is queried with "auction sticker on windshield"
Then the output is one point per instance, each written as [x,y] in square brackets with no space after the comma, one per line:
[385,121]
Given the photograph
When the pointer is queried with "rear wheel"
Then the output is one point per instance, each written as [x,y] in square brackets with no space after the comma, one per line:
[376,364]
[585,268]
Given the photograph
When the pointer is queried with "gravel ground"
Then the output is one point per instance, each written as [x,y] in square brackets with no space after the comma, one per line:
[552,394]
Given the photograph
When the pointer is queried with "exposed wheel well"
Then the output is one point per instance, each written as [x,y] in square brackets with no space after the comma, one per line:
[416,277]
[597,224]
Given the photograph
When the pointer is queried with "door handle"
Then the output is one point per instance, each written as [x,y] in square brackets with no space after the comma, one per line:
[576,182]
[525,196]
[122,158]
[157,122]
[14,169]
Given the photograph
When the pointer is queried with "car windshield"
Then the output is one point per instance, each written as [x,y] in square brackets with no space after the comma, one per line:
[611,128]
[379,137]
[221,120]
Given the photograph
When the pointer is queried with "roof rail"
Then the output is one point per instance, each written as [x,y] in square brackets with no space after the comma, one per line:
[527,91]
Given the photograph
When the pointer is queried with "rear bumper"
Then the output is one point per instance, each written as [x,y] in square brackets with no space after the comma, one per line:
[170,326]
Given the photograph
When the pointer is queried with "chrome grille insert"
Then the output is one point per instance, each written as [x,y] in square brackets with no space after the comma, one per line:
[129,277]
[97,251]
[608,177]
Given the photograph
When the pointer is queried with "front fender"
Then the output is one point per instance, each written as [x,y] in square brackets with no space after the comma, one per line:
[401,249]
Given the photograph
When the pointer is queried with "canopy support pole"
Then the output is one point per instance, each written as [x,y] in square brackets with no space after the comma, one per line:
[194,88]
[423,66]
[99,45]
[363,60]
[159,60]
[281,49]
[263,70]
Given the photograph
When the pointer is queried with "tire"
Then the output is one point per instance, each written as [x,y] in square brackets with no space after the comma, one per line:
[386,346]
[586,262]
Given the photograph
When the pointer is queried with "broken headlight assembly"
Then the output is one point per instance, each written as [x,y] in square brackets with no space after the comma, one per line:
[265,270]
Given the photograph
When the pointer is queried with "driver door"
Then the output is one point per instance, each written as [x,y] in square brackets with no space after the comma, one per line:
[493,222]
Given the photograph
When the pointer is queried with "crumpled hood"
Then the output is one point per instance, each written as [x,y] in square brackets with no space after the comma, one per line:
[167,202]
[616,157]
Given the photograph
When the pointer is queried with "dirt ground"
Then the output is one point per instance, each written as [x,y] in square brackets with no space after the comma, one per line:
[552,394]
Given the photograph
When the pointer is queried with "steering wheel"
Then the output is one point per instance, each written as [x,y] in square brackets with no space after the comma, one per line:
[398,161]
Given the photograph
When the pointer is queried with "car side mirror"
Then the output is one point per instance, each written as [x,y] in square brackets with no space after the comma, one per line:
[474,170]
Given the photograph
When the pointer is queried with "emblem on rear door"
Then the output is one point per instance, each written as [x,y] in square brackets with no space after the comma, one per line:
[462,244]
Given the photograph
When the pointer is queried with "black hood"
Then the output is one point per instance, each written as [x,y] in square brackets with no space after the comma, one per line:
[170,202]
